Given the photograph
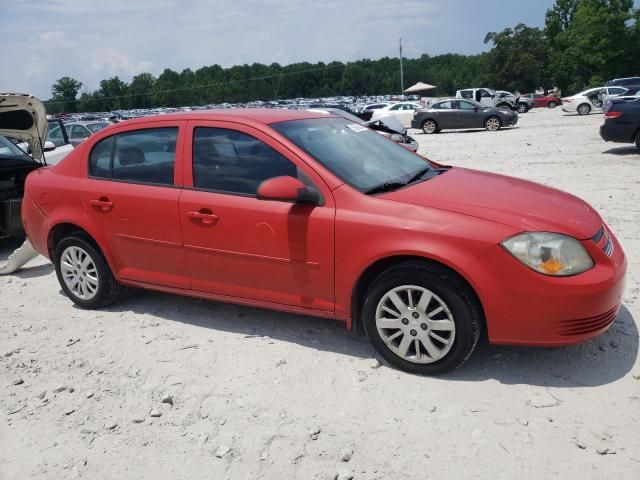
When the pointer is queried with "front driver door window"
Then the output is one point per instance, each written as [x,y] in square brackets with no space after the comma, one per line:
[237,245]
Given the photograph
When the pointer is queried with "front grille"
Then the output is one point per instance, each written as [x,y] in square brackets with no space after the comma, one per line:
[584,326]
[607,246]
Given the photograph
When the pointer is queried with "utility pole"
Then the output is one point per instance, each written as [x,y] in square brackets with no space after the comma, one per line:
[401,71]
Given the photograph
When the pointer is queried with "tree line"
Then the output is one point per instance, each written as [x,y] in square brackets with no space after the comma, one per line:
[583,43]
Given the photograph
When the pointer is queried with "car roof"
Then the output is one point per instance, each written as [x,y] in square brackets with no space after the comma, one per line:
[240,115]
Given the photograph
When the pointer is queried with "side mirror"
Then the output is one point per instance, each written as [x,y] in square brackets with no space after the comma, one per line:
[288,189]
[49,146]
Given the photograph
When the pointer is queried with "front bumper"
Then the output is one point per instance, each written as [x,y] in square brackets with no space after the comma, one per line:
[10,217]
[523,307]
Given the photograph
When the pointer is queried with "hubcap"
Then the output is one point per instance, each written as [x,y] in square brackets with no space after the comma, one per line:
[493,124]
[79,273]
[415,324]
[583,109]
[429,127]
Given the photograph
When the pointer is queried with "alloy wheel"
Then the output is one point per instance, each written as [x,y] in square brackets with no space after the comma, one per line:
[584,109]
[429,126]
[522,108]
[493,124]
[79,272]
[415,324]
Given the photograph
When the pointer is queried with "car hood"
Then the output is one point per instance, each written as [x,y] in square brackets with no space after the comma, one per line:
[392,124]
[523,205]
[23,117]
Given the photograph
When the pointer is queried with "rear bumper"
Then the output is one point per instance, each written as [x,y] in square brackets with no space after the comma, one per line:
[416,123]
[35,225]
[523,307]
[615,132]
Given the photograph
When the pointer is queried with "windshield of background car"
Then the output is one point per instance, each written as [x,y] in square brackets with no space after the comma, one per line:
[94,127]
[360,157]
[9,150]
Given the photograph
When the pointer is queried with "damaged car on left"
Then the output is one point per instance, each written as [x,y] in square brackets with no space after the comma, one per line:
[23,123]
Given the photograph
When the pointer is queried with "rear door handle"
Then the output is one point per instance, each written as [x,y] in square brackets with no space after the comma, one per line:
[102,203]
[206,216]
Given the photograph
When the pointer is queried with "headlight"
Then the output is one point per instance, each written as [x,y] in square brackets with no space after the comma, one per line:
[550,253]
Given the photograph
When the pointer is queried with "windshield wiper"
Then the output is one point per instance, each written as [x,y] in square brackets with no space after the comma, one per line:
[385,187]
[419,174]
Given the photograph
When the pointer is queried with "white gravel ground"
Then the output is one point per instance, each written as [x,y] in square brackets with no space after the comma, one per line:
[258,394]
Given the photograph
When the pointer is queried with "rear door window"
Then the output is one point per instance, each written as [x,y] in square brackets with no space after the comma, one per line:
[140,156]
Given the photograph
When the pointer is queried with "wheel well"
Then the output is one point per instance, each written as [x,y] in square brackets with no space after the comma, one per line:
[377,268]
[64,230]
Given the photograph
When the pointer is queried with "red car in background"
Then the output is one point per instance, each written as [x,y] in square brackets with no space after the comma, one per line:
[544,101]
[314,214]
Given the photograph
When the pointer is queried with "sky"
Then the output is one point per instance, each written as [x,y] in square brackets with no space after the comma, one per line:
[91,40]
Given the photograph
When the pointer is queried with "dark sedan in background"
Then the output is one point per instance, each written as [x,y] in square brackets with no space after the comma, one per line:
[622,122]
[455,113]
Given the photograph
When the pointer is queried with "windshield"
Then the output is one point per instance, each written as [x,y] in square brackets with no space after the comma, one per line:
[360,157]
[9,150]
[94,127]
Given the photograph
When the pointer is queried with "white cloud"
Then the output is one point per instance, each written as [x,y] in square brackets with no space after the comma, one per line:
[44,40]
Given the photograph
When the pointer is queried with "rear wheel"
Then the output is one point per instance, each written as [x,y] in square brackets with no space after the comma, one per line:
[638,140]
[584,109]
[553,104]
[422,318]
[430,126]
[492,124]
[84,274]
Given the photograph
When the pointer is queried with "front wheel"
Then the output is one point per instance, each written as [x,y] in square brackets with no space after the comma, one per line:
[493,124]
[429,126]
[422,318]
[638,141]
[84,274]
[553,104]
[522,108]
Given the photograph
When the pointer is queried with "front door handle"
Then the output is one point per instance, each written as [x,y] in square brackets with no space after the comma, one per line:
[102,204]
[205,216]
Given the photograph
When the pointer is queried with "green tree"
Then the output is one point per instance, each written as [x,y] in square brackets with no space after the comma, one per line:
[140,91]
[518,60]
[64,92]
[591,41]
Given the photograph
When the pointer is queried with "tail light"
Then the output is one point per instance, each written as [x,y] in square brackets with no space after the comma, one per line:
[613,114]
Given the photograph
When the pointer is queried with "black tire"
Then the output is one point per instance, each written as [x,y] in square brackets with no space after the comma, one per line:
[522,107]
[108,289]
[466,312]
[553,104]
[638,140]
[584,109]
[488,124]
[430,126]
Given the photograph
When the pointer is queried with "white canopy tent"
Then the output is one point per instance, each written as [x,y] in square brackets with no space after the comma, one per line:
[419,87]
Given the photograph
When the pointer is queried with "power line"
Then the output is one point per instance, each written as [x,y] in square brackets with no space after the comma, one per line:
[195,87]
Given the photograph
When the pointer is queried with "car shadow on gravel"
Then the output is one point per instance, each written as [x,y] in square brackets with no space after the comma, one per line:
[598,362]
[632,150]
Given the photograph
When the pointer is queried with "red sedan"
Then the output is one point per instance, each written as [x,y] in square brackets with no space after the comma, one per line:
[309,213]
[544,101]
